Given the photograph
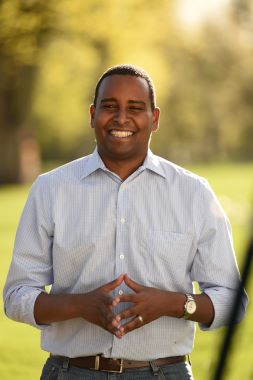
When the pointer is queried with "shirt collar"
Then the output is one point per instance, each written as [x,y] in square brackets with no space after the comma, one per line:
[95,162]
[153,163]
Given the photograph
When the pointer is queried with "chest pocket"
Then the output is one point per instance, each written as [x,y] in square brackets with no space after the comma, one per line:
[167,258]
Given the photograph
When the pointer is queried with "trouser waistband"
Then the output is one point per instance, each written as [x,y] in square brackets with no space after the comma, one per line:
[99,363]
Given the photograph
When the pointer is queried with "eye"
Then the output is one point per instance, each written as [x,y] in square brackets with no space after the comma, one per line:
[108,106]
[135,108]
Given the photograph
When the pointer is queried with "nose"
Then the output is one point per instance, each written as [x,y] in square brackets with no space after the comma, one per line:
[121,116]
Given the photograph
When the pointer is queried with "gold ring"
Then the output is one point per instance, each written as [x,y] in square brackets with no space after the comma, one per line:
[140,318]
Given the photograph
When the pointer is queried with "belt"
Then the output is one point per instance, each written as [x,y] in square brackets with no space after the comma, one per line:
[99,363]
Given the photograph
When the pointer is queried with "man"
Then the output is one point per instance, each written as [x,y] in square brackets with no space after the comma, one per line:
[121,235]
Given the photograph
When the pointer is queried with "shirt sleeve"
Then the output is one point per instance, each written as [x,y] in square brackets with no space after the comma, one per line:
[214,266]
[31,267]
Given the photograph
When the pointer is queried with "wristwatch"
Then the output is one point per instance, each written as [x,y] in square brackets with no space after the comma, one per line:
[190,306]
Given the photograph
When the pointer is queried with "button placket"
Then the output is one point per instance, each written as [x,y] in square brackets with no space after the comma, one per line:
[120,251]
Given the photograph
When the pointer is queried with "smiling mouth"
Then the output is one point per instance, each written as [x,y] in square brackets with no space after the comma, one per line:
[121,134]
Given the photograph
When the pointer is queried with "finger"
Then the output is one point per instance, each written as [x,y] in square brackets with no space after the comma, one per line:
[128,313]
[109,321]
[114,330]
[114,327]
[132,284]
[115,302]
[115,319]
[107,315]
[106,300]
[135,323]
[113,284]
[119,334]
[128,298]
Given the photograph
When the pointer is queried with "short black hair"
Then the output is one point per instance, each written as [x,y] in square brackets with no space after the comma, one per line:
[132,70]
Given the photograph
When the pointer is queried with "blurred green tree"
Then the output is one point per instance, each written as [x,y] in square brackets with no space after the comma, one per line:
[24,24]
[208,110]
[51,53]
[68,44]
[93,35]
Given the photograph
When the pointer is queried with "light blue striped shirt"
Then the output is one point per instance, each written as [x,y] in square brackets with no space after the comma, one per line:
[83,226]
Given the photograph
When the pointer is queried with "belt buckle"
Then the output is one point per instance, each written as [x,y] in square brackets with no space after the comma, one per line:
[120,370]
[97,362]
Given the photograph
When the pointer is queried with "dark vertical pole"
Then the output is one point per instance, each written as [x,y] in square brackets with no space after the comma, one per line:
[232,323]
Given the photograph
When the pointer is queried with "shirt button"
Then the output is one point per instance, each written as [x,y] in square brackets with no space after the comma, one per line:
[121,292]
[121,256]
[122,220]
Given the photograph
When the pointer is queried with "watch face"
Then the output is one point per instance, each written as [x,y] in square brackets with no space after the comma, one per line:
[191,307]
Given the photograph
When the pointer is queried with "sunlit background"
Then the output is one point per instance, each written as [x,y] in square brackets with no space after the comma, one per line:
[200,56]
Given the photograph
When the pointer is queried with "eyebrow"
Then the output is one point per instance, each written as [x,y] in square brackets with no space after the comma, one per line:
[129,101]
[108,100]
[137,102]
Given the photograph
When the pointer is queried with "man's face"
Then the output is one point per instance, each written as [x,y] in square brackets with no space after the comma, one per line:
[123,119]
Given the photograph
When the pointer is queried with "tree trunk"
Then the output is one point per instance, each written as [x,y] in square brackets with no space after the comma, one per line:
[9,166]
[15,100]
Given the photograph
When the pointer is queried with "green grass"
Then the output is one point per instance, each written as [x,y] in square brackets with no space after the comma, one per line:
[21,357]
[233,184]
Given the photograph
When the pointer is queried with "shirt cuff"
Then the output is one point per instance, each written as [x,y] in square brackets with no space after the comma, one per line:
[20,306]
[223,301]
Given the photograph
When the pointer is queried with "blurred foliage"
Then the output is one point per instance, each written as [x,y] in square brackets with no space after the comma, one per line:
[52,53]
[93,36]
[23,26]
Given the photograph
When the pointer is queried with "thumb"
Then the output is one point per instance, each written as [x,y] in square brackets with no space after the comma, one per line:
[132,284]
[113,284]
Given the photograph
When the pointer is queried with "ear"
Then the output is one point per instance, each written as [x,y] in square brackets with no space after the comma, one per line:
[92,114]
[156,116]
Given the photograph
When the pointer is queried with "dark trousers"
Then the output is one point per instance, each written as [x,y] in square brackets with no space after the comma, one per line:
[54,370]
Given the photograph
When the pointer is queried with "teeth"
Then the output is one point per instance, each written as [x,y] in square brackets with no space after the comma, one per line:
[121,133]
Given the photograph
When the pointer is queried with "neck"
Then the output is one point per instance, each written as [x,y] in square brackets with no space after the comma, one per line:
[123,168]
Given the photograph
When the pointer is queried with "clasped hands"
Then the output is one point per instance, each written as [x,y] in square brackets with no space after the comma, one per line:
[149,303]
